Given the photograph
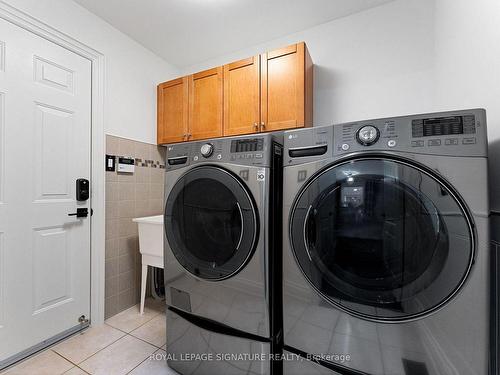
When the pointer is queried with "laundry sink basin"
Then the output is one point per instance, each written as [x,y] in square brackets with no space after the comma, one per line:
[151,235]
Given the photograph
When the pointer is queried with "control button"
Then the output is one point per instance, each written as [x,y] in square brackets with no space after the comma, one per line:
[367,135]
[345,146]
[469,141]
[219,156]
[258,156]
[391,143]
[207,150]
[451,141]
[195,158]
[417,144]
[434,142]
[249,156]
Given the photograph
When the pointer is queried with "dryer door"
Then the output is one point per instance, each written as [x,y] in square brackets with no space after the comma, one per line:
[211,223]
[382,238]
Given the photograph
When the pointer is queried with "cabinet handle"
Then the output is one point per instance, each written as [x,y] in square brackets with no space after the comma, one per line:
[184,137]
[262,126]
[189,135]
[256,126]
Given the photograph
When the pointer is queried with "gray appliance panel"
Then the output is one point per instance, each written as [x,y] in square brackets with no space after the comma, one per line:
[395,136]
[241,301]
[255,151]
[452,340]
[294,365]
[220,351]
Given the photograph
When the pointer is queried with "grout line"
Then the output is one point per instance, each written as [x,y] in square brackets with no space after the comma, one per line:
[147,342]
[154,316]
[143,361]
[67,359]
[100,350]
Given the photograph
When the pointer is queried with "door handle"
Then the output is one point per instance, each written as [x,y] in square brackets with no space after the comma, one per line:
[262,126]
[256,126]
[80,213]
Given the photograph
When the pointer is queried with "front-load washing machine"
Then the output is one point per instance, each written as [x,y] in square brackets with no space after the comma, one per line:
[222,254]
[386,247]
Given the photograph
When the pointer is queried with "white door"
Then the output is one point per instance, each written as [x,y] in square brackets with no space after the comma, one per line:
[45,125]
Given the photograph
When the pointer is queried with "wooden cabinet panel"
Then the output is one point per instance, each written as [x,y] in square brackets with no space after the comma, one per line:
[205,104]
[241,96]
[269,92]
[284,101]
[173,111]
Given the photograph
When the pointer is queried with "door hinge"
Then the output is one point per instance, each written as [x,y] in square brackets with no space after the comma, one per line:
[83,320]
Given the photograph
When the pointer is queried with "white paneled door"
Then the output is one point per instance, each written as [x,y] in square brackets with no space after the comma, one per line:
[45,134]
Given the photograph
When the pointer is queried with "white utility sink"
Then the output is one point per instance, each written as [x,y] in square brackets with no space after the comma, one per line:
[150,246]
[151,236]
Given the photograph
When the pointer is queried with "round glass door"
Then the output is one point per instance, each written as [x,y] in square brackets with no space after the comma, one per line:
[210,223]
[381,238]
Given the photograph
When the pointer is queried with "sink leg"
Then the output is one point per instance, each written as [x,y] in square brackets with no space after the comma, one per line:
[143,285]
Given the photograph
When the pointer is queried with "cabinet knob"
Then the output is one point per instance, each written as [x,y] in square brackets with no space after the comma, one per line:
[262,126]
[256,126]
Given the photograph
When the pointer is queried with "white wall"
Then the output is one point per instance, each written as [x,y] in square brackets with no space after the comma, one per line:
[467,68]
[132,71]
[404,57]
[370,64]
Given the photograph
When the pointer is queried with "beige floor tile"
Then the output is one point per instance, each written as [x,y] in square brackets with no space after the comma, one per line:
[154,365]
[45,363]
[119,358]
[75,371]
[130,319]
[153,331]
[81,346]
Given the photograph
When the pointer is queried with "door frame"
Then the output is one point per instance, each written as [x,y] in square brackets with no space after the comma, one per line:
[97,200]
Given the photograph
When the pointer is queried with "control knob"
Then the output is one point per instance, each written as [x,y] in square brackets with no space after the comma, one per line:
[367,135]
[207,150]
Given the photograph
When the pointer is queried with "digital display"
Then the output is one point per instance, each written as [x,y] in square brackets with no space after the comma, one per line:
[454,125]
[247,145]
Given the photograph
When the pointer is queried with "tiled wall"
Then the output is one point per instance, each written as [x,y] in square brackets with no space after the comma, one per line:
[129,196]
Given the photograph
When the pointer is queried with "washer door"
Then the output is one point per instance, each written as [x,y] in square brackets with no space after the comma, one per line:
[210,223]
[382,238]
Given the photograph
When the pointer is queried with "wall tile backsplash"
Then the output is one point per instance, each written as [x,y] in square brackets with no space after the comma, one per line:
[129,196]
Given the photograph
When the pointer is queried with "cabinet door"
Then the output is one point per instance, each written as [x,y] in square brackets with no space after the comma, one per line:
[205,104]
[241,96]
[286,88]
[173,111]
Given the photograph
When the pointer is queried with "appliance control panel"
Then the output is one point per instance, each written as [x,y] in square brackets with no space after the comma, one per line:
[251,150]
[457,133]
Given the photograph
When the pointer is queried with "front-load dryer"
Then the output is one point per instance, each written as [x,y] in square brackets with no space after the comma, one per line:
[386,247]
[222,254]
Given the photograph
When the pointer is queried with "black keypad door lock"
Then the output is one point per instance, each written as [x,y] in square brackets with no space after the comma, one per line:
[82,189]
[80,212]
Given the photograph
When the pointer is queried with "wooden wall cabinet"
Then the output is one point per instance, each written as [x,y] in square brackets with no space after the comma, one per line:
[173,111]
[190,108]
[286,88]
[205,104]
[267,92]
[241,96]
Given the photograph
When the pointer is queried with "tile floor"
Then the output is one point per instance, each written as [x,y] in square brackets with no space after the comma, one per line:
[125,344]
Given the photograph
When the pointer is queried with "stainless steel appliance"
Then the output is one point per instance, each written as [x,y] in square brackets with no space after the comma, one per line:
[221,247]
[386,247]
